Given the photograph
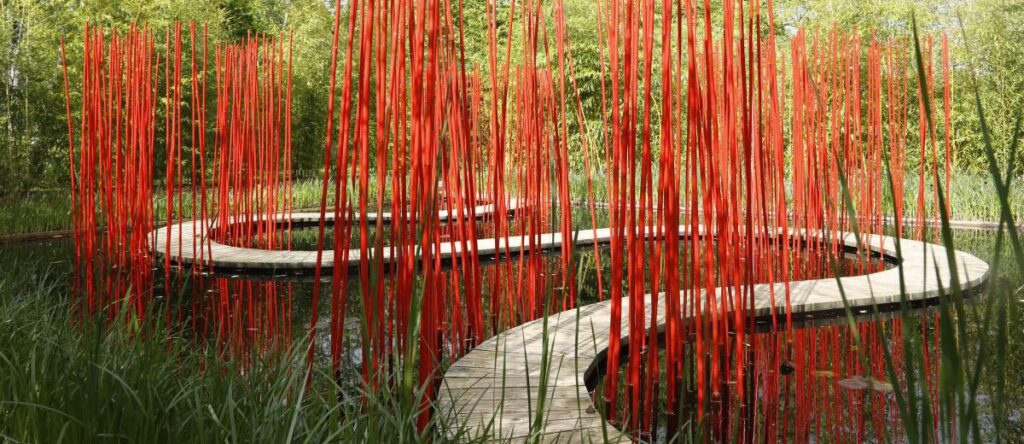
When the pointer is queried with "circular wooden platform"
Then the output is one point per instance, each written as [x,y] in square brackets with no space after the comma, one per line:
[494,389]
[189,243]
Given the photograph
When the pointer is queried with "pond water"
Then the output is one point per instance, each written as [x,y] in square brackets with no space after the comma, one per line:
[814,385]
[239,314]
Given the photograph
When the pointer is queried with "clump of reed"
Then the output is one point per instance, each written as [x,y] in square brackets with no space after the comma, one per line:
[949,408]
[63,379]
[35,212]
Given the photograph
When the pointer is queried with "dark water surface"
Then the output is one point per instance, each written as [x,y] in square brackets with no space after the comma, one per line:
[239,314]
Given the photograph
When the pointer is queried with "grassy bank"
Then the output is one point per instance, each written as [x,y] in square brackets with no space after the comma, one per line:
[51,210]
[35,212]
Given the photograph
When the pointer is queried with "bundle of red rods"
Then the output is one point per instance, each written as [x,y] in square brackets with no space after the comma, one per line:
[136,109]
[707,130]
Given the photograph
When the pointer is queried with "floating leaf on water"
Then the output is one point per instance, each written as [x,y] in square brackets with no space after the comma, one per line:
[854,383]
[862,383]
[879,385]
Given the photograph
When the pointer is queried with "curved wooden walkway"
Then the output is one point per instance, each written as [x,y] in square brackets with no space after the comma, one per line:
[494,389]
[189,243]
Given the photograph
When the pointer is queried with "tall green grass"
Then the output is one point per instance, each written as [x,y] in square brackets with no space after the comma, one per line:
[51,210]
[966,354]
[97,381]
[35,212]
[139,382]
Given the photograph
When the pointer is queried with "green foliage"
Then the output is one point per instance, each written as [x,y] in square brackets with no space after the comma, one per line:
[63,382]
[33,126]
[38,211]
[995,54]
[65,379]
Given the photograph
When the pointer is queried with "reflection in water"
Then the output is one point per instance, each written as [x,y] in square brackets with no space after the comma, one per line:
[824,397]
[810,384]
[242,316]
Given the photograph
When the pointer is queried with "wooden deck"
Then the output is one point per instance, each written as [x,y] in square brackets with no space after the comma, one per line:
[188,244]
[494,389]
